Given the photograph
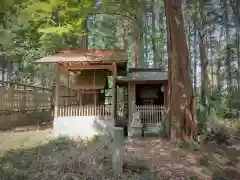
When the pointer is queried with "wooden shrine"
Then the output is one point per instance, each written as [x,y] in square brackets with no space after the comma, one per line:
[147,95]
[82,76]
[77,112]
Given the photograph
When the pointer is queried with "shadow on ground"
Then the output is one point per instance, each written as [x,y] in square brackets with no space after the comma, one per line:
[226,174]
[171,162]
[58,159]
[37,155]
[44,157]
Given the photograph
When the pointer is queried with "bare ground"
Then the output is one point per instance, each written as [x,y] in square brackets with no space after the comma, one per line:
[170,162]
[37,155]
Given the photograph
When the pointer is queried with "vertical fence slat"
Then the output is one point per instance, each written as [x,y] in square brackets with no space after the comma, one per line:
[20,97]
[84,110]
[150,114]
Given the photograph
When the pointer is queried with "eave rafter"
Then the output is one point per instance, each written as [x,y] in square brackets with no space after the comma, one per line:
[75,66]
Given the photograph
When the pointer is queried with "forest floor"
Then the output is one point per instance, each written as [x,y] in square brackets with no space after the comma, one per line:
[35,154]
[171,161]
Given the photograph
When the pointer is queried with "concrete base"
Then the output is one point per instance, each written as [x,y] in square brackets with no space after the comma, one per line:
[118,150]
[82,126]
[135,132]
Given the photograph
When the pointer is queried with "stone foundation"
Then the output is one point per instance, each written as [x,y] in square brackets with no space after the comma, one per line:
[135,132]
[82,126]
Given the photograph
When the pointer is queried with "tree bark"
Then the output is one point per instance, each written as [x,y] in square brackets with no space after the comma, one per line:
[211,63]
[181,107]
[204,69]
[228,54]
[195,58]
[155,54]
[145,37]
[219,65]
[238,58]
[158,10]
[138,48]
[83,40]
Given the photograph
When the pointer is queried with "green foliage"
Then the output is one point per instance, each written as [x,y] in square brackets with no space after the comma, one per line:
[218,133]
[5,36]
[32,29]
[201,117]
[59,17]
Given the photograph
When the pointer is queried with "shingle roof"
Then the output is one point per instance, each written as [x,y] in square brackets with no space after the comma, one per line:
[144,76]
[108,56]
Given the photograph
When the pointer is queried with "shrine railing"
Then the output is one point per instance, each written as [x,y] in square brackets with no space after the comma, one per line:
[150,114]
[84,110]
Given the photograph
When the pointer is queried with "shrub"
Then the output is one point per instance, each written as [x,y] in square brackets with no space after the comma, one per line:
[217,132]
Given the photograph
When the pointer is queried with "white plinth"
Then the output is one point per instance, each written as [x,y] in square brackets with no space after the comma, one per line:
[82,126]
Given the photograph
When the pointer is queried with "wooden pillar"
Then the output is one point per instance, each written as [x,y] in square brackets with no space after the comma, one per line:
[10,98]
[95,98]
[68,100]
[34,100]
[81,96]
[57,90]
[131,100]
[114,93]
[129,103]
[24,101]
[78,97]
[165,86]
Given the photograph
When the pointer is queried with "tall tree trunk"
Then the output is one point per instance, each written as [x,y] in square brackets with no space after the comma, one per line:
[182,107]
[158,14]
[204,70]
[155,54]
[160,19]
[228,53]
[238,59]
[189,37]
[219,65]
[83,40]
[145,37]
[211,62]
[124,45]
[195,58]
[134,52]
[138,48]
[203,53]
[188,40]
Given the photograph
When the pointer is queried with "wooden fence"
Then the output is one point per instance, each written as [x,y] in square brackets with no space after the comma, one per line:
[150,114]
[84,110]
[16,97]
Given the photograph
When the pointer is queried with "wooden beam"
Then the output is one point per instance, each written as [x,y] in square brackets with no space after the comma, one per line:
[130,106]
[76,66]
[114,92]
[165,94]
[57,91]
[80,97]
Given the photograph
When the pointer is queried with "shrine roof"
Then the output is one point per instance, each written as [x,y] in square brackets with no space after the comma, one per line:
[106,56]
[144,75]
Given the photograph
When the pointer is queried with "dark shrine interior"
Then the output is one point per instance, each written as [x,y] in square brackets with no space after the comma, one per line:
[149,94]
